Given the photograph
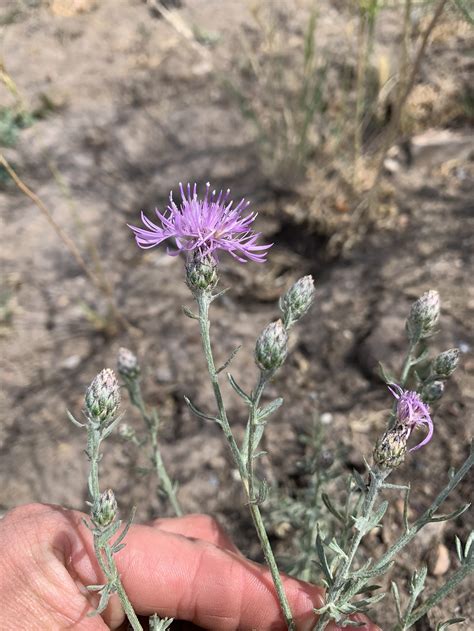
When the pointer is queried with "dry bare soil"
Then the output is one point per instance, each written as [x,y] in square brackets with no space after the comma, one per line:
[136,108]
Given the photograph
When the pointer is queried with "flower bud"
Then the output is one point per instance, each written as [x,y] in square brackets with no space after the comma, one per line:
[423,316]
[272,346]
[104,509]
[201,273]
[433,391]
[127,364]
[103,397]
[391,448]
[297,300]
[446,363]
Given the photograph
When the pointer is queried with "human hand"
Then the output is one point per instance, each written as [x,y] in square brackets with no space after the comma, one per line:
[186,568]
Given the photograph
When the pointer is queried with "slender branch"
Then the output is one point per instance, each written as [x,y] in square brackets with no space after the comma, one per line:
[152,423]
[426,516]
[251,433]
[376,482]
[107,564]
[460,574]
[203,300]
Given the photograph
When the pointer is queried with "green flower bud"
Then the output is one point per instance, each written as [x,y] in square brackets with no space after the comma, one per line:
[272,346]
[433,391]
[127,364]
[423,317]
[297,300]
[391,448]
[446,363]
[201,273]
[103,397]
[104,509]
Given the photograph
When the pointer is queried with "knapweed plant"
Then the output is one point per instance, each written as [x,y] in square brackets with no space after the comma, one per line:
[331,532]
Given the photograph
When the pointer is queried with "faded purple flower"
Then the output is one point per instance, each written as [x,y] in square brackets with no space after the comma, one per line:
[205,226]
[412,413]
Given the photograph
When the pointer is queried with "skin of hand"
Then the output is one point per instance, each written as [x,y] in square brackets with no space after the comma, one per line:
[186,568]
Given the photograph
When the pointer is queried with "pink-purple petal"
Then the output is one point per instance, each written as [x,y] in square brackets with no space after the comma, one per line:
[205,226]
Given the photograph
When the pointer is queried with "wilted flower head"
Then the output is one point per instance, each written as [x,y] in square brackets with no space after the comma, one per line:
[412,413]
[204,226]
[391,448]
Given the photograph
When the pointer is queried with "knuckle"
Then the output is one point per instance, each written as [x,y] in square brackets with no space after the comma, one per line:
[23,513]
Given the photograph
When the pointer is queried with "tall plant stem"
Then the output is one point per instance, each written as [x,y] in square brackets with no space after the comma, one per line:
[102,548]
[376,482]
[312,530]
[251,434]
[152,422]
[204,299]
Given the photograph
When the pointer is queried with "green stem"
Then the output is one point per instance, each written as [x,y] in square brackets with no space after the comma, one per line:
[312,525]
[427,515]
[152,422]
[434,599]
[404,376]
[107,565]
[377,478]
[204,300]
[251,433]
[93,447]
[127,606]
[407,364]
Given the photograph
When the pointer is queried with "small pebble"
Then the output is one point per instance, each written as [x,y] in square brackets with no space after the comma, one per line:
[439,561]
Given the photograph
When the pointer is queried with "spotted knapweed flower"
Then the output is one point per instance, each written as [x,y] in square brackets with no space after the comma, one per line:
[412,413]
[205,226]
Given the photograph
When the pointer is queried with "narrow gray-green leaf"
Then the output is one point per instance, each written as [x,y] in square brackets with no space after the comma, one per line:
[331,508]
[323,559]
[73,420]
[238,389]
[269,409]
[198,412]
[453,515]
[189,313]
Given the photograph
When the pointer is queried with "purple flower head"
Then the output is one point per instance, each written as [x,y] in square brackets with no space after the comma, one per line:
[205,226]
[412,412]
